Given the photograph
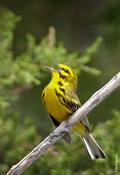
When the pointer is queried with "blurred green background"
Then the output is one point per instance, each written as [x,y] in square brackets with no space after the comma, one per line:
[82,34]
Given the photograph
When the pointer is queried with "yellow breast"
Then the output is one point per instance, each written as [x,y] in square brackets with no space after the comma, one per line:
[54,106]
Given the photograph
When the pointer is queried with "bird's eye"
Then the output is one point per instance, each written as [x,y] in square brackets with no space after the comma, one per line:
[66,70]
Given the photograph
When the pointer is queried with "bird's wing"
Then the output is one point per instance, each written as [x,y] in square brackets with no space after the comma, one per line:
[73,103]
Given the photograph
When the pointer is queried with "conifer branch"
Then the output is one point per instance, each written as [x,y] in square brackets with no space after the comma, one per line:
[65,126]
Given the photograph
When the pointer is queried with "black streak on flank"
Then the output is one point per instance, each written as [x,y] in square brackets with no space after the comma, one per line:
[56,123]
[60,83]
[62,89]
[61,98]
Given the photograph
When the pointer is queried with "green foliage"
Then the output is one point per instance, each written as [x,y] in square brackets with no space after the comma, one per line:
[26,69]
[18,136]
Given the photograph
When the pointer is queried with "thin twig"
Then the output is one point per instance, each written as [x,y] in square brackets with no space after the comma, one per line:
[65,126]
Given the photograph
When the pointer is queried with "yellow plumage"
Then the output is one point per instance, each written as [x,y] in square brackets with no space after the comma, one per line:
[61,101]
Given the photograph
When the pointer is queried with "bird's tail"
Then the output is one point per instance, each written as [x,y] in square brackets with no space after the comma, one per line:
[94,150]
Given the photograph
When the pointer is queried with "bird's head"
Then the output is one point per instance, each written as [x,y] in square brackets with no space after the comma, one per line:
[64,74]
[67,74]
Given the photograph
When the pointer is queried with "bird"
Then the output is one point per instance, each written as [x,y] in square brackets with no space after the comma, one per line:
[61,101]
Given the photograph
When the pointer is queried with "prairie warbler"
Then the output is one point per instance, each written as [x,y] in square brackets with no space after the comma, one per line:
[61,101]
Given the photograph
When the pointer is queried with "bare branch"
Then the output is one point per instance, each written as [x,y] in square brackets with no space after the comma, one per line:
[65,126]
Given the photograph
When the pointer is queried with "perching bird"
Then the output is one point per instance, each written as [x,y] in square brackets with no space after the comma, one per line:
[61,101]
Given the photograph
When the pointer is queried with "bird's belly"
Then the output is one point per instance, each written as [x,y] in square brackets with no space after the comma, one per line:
[55,108]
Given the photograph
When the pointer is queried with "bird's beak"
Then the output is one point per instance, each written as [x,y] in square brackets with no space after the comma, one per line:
[49,68]
[59,68]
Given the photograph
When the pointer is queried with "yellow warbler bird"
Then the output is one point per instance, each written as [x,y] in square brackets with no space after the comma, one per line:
[61,101]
